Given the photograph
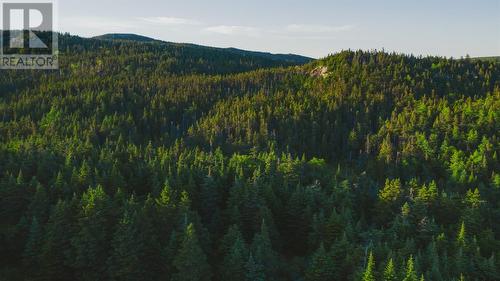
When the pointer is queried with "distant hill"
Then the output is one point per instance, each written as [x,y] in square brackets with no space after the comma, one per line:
[495,58]
[288,58]
[293,58]
[125,36]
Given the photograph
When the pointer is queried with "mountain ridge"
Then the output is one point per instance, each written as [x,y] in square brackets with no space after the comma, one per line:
[291,58]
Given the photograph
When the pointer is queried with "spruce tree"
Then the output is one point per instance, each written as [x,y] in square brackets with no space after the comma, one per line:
[462,236]
[56,251]
[31,255]
[233,266]
[390,271]
[368,275]
[254,270]
[91,243]
[321,267]
[124,263]
[263,251]
[410,273]
[191,262]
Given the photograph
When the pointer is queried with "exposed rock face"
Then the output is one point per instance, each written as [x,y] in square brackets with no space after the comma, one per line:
[320,71]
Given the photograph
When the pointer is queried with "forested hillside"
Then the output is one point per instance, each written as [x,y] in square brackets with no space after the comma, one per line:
[150,161]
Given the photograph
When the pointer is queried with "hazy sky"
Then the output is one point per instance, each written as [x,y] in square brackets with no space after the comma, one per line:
[308,27]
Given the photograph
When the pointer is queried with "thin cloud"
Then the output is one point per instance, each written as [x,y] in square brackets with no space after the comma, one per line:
[169,21]
[98,23]
[92,25]
[305,37]
[315,28]
[302,31]
[233,30]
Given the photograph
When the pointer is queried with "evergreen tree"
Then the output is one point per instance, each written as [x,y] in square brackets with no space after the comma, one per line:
[410,273]
[321,267]
[263,251]
[91,241]
[368,275]
[56,251]
[254,270]
[390,271]
[190,262]
[233,267]
[123,263]
[461,237]
[32,249]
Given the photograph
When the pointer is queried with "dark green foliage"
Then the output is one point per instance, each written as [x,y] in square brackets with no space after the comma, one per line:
[153,161]
[32,249]
[254,270]
[91,243]
[56,252]
[190,262]
[322,267]
[233,266]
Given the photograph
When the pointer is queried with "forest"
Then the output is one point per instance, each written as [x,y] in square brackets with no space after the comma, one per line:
[142,160]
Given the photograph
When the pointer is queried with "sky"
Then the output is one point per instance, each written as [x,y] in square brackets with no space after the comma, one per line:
[314,28]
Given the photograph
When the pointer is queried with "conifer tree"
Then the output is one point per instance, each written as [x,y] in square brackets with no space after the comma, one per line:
[191,262]
[263,251]
[254,270]
[123,263]
[368,275]
[31,255]
[39,205]
[461,236]
[208,201]
[233,267]
[227,242]
[390,271]
[56,251]
[410,273]
[91,242]
[321,267]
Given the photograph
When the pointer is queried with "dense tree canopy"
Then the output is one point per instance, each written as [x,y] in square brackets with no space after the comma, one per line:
[146,161]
